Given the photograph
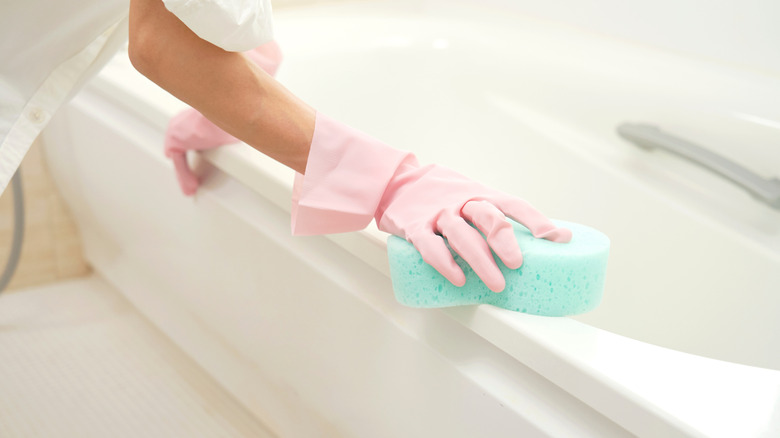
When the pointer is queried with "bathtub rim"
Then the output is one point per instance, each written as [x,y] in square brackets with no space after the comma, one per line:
[544,344]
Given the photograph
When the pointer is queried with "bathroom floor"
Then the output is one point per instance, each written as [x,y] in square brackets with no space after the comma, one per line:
[78,360]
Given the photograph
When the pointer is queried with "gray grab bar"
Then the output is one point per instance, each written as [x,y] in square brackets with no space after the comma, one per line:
[651,137]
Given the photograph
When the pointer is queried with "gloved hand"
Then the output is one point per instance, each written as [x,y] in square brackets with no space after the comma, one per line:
[352,178]
[190,130]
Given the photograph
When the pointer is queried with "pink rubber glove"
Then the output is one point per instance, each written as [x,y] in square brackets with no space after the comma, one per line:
[190,130]
[352,178]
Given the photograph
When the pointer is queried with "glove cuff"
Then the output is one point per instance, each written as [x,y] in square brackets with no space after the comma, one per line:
[347,173]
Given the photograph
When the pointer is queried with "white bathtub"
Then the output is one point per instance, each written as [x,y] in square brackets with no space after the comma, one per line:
[305,331]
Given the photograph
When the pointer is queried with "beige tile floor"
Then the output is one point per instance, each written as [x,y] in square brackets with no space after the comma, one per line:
[52,247]
[78,360]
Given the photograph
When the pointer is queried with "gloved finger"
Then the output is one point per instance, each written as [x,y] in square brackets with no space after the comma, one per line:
[435,252]
[498,232]
[191,130]
[524,213]
[187,179]
[467,242]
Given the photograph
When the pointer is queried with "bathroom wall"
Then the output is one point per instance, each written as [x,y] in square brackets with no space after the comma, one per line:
[52,248]
[744,32]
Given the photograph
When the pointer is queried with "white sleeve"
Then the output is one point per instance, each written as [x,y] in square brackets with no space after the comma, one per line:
[234,25]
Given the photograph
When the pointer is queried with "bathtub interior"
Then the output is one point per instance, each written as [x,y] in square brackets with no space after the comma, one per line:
[533,112]
[695,261]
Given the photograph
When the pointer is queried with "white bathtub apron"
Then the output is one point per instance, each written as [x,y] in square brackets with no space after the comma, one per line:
[49,49]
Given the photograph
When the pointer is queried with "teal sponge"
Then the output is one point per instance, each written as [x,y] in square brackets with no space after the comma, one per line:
[556,279]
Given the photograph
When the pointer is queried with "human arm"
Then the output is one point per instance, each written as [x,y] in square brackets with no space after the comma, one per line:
[224,86]
[345,178]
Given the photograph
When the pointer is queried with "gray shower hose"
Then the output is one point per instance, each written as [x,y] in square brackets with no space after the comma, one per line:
[16,244]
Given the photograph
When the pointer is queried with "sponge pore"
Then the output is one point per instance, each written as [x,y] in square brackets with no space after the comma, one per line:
[556,279]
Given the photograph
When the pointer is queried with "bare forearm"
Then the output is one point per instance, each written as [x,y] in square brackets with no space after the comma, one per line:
[224,86]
